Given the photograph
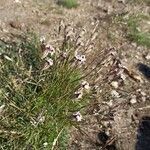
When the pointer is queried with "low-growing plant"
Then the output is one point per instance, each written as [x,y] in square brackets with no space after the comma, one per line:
[134,34]
[147,2]
[39,92]
[68,3]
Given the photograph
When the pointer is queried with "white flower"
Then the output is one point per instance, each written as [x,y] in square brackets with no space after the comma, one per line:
[80,58]
[45,144]
[41,119]
[78,116]
[79,94]
[49,63]
[64,55]
[33,122]
[147,56]
[42,39]
[48,50]
[86,85]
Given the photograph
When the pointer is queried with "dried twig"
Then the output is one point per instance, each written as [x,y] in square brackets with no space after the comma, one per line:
[56,139]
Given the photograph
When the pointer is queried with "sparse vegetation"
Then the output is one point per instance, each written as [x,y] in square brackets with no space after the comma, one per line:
[37,95]
[135,33]
[147,2]
[68,3]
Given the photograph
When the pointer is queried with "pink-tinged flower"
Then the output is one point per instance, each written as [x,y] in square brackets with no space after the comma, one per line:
[78,116]
[80,58]
[49,63]
[48,50]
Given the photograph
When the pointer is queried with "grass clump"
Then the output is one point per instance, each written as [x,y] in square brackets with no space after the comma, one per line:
[136,35]
[68,3]
[37,87]
[141,2]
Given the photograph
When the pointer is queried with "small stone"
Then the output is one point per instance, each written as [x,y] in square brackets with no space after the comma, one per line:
[147,57]
[143,99]
[138,78]
[110,103]
[115,94]
[143,93]
[122,1]
[93,23]
[114,84]
[17,1]
[123,77]
[134,44]
[110,9]
[133,99]
[2,109]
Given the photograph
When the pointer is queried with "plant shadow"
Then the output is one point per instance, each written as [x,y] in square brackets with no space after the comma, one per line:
[144,69]
[143,134]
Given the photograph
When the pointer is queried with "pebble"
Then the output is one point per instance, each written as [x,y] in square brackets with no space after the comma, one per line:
[17,1]
[147,57]
[122,1]
[143,99]
[123,77]
[115,94]
[2,109]
[133,99]
[114,84]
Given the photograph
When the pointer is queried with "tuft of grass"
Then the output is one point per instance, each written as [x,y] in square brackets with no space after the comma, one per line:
[68,3]
[37,103]
[134,34]
[141,2]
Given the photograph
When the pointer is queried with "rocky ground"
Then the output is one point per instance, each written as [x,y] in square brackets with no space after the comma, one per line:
[121,86]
